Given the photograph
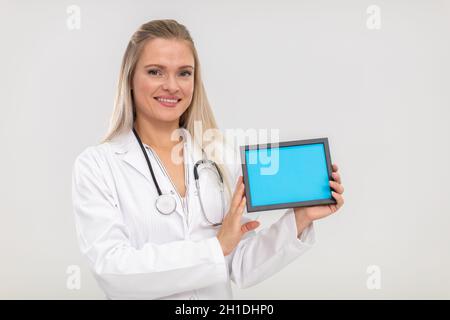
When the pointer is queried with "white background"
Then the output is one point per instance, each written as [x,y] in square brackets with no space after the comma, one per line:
[309,68]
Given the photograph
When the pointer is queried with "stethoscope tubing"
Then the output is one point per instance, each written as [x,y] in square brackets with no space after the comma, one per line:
[148,162]
[161,202]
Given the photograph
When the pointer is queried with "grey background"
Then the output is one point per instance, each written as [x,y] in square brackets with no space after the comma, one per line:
[308,68]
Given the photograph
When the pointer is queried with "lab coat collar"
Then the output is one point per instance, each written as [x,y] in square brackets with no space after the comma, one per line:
[127,146]
[126,141]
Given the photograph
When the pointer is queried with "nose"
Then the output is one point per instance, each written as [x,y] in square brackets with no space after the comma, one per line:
[171,84]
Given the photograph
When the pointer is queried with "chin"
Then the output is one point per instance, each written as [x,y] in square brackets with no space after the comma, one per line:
[168,117]
[169,114]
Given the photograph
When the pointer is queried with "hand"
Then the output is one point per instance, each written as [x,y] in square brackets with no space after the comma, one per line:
[231,230]
[305,215]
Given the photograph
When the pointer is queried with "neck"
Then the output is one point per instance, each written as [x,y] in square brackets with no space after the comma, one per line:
[156,134]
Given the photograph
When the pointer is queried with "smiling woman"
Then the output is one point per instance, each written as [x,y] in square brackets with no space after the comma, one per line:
[163,77]
[160,59]
[147,229]
[160,89]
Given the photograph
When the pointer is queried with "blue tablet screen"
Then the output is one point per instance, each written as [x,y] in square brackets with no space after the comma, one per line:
[287,174]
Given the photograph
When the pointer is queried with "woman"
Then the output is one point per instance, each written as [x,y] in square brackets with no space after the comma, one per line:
[141,222]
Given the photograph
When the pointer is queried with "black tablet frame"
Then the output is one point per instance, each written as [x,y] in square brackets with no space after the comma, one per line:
[251,208]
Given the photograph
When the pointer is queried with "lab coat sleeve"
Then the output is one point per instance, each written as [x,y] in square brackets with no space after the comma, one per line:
[259,255]
[262,254]
[123,271]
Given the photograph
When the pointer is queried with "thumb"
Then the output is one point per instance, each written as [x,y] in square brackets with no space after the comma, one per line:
[249,226]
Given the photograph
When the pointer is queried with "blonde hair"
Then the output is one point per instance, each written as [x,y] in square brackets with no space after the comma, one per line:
[123,115]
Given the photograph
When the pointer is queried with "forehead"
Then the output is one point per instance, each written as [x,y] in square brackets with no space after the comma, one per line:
[169,53]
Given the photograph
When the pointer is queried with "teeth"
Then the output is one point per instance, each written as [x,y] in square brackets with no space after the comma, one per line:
[167,100]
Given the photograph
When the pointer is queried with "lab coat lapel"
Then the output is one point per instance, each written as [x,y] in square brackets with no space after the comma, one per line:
[127,147]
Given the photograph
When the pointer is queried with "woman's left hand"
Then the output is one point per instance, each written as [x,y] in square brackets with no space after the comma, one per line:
[305,215]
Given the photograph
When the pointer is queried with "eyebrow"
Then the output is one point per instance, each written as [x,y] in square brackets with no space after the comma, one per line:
[163,67]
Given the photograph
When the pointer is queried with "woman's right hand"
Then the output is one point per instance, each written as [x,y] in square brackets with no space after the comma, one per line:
[231,230]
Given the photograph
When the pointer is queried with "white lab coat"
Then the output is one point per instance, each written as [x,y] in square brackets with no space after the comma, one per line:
[135,252]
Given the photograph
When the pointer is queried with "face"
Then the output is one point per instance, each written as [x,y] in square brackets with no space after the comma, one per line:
[163,82]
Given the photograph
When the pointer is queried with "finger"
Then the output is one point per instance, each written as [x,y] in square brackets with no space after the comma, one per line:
[249,226]
[240,209]
[237,196]
[339,199]
[237,200]
[239,181]
[335,167]
[337,177]
[339,188]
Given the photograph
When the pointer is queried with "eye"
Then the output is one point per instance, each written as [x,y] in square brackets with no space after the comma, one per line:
[154,72]
[186,73]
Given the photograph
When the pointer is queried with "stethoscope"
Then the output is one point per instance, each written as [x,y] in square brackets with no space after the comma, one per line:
[166,203]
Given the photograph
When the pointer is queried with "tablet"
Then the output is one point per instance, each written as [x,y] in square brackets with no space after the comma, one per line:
[287,174]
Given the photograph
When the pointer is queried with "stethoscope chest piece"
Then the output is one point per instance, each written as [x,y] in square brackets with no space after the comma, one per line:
[166,204]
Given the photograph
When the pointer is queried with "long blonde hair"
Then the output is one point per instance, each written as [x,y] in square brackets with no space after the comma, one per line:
[124,113]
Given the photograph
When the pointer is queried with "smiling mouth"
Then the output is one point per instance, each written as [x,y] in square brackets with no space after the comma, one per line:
[167,102]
